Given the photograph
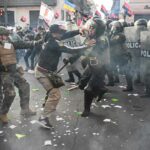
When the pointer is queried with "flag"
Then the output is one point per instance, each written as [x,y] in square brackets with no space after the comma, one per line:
[97,13]
[46,13]
[104,10]
[69,6]
[113,16]
[127,9]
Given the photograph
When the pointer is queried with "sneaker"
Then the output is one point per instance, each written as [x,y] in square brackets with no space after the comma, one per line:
[44,122]
[31,71]
[27,112]
[4,118]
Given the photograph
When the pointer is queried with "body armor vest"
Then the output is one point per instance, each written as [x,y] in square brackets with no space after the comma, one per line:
[7,56]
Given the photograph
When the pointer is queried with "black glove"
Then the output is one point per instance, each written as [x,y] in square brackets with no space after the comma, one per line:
[81,86]
[65,61]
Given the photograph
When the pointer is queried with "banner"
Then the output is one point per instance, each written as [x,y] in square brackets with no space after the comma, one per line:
[69,6]
[46,13]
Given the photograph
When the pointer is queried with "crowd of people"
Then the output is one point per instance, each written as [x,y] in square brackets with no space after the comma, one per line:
[103,52]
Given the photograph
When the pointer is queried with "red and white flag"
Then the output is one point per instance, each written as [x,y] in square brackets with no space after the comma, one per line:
[46,13]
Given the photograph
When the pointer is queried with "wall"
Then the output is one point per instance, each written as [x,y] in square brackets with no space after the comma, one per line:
[24,11]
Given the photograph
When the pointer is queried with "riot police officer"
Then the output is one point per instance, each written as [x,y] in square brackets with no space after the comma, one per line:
[92,80]
[109,70]
[119,56]
[147,72]
[140,24]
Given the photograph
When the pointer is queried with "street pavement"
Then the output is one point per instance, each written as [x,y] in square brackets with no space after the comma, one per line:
[120,121]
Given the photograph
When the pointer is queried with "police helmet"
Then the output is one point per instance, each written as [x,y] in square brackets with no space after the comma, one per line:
[108,22]
[141,22]
[117,26]
[4,31]
[124,24]
[99,25]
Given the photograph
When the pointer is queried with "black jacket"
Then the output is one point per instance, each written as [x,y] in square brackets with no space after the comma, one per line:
[49,57]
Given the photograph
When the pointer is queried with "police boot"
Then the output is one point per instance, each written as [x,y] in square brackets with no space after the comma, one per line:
[88,97]
[138,79]
[4,118]
[27,112]
[101,94]
[110,79]
[71,77]
[116,79]
[147,93]
[129,83]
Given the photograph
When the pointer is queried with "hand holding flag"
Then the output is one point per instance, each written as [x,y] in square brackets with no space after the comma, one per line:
[127,9]
[104,10]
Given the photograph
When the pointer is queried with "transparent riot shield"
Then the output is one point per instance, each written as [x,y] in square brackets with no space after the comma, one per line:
[134,47]
[145,55]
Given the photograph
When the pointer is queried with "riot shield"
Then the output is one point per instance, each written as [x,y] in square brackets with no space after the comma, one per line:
[145,54]
[133,45]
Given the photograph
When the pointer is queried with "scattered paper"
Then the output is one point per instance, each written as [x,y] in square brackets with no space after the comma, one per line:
[5,140]
[35,90]
[33,121]
[76,129]
[118,106]
[107,120]
[1,132]
[105,106]
[19,136]
[94,133]
[47,143]
[122,87]
[68,131]
[115,100]
[59,119]
[133,94]
[36,106]
[73,87]
[12,126]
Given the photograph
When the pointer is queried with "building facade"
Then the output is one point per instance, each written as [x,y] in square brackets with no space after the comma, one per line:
[141,9]
[16,9]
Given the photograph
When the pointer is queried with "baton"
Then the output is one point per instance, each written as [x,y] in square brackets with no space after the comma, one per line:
[62,67]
